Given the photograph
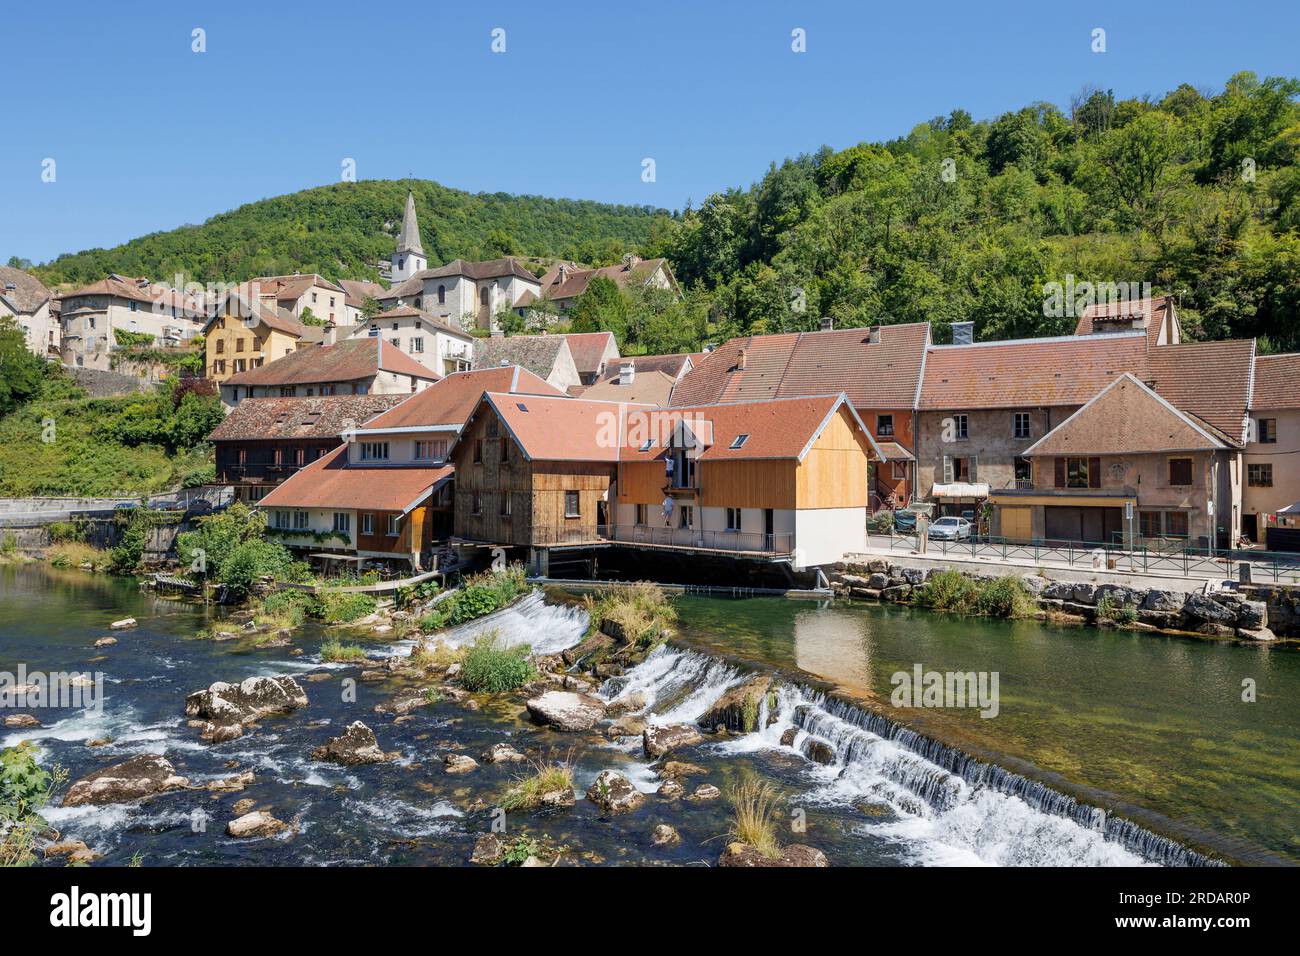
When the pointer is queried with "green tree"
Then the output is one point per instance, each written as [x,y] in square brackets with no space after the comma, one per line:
[601,308]
[21,372]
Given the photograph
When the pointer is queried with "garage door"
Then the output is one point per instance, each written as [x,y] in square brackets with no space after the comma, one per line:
[1083,525]
[1017,523]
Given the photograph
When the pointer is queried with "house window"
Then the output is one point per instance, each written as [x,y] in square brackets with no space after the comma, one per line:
[239,345]
[641,514]
[342,522]
[313,297]
[287,391]
[221,346]
[395,342]
[417,343]
[374,451]
[733,519]
[899,470]
[1024,473]
[442,294]
[739,440]
[959,469]
[367,524]
[280,519]
[505,450]
[394,525]
[299,456]
[505,504]
[476,503]
[1076,473]
[572,505]
[1268,431]
[1020,425]
[431,450]
[478,451]
[686,516]
[1149,524]
[1259,476]
[961,427]
[1176,524]
[885,426]
[1180,471]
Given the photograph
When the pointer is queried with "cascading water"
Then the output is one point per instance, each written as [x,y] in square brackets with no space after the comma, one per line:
[945,806]
[546,628]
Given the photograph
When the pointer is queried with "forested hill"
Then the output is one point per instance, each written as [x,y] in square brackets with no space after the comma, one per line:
[341,231]
[1196,193]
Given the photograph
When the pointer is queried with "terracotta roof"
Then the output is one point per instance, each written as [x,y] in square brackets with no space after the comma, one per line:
[1209,379]
[140,290]
[1126,418]
[883,373]
[346,361]
[1029,373]
[291,286]
[589,348]
[321,416]
[1157,313]
[649,387]
[561,429]
[330,482]
[410,312]
[575,280]
[1277,381]
[537,353]
[241,305]
[28,293]
[358,290]
[451,400]
[674,364]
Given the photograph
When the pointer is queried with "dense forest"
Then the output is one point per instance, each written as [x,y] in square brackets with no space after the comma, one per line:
[1196,193]
[342,231]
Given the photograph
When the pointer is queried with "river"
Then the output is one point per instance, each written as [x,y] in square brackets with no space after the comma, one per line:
[1152,727]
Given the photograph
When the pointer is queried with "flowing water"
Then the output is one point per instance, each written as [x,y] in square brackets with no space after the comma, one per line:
[891,795]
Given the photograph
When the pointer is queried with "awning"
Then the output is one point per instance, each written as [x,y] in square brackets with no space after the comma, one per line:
[893,451]
[961,489]
[1290,509]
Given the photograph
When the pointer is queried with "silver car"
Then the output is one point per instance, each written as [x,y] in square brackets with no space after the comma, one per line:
[950,529]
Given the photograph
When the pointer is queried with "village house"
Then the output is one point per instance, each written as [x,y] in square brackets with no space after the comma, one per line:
[362,366]
[305,297]
[438,346]
[25,299]
[1272,455]
[779,478]
[243,335]
[121,311]
[265,441]
[546,356]
[406,443]
[1129,469]
[641,379]
[879,368]
[594,353]
[564,282]
[357,292]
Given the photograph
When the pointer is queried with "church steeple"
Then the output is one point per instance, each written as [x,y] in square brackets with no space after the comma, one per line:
[408,257]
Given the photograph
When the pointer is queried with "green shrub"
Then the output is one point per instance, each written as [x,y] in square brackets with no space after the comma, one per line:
[282,609]
[952,591]
[1004,597]
[25,789]
[479,595]
[493,669]
[8,543]
[335,651]
[335,607]
[528,791]
[946,590]
[641,611]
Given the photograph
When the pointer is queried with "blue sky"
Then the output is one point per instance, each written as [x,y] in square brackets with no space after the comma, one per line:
[149,135]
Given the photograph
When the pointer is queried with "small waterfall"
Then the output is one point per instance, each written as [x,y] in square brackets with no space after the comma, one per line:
[950,806]
[546,628]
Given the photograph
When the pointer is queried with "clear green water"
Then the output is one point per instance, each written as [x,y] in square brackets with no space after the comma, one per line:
[1158,723]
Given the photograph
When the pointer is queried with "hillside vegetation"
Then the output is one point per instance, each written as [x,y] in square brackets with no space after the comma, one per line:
[341,231]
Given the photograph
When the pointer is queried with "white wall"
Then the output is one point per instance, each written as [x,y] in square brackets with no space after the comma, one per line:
[318,520]
[825,535]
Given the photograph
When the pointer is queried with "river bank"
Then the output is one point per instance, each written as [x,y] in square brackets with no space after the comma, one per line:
[874,801]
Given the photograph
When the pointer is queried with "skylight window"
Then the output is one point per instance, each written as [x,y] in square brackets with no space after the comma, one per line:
[739,440]
[521,406]
[647,444]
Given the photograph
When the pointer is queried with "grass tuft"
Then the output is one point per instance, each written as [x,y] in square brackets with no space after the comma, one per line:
[753,822]
[545,778]
[490,668]
[336,652]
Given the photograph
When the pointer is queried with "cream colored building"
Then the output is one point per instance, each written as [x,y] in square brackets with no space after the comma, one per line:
[92,316]
[24,298]
[435,344]
[1272,458]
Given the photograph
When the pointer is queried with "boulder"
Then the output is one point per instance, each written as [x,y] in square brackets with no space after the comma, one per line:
[21,720]
[99,742]
[1256,634]
[557,799]
[406,701]
[626,704]
[489,850]
[356,745]
[913,576]
[74,851]
[659,739]
[679,768]
[227,708]
[1083,593]
[1157,600]
[878,582]
[593,648]
[141,776]
[233,784]
[614,793]
[502,753]
[629,726]
[877,566]
[1169,620]
[567,711]
[124,623]
[259,823]
[742,854]
[671,789]
[818,751]
[1252,615]
[1035,584]
[1214,629]
[243,806]
[459,763]
[1059,591]
[896,592]
[705,792]
[106,642]
[1119,595]
[664,835]
[788,736]
[1203,608]
[737,709]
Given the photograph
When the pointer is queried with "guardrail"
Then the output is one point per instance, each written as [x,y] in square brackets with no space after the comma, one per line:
[1278,567]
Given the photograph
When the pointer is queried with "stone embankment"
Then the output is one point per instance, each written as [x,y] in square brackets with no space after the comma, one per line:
[1245,612]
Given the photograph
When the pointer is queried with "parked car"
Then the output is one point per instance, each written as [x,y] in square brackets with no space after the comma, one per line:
[950,529]
[904,521]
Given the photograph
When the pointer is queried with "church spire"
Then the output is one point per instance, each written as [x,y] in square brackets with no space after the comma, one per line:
[408,240]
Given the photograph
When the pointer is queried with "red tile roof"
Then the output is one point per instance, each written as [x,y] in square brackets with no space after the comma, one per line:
[589,348]
[451,400]
[1209,379]
[1157,312]
[346,361]
[330,482]
[322,416]
[575,280]
[877,367]
[1277,382]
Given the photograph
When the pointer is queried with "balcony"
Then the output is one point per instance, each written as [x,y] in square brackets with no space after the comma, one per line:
[678,539]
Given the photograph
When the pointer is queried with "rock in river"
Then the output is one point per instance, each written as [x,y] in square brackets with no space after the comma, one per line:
[658,740]
[141,776]
[21,720]
[259,823]
[356,745]
[226,708]
[502,753]
[664,835]
[459,763]
[742,854]
[738,708]
[566,710]
[614,793]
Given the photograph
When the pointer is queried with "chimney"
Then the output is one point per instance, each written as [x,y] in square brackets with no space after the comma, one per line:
[828,324]
[630,261]
[963,333]
[626,372]
[740,362]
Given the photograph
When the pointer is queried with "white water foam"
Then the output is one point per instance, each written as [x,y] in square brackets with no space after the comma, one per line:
[546,628]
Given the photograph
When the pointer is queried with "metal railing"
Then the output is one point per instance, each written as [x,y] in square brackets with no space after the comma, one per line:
[1277,567]
[780,543]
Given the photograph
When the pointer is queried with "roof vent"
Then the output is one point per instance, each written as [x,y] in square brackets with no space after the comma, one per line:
[963,333]
[827,324]
[740,362]
[626,373]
